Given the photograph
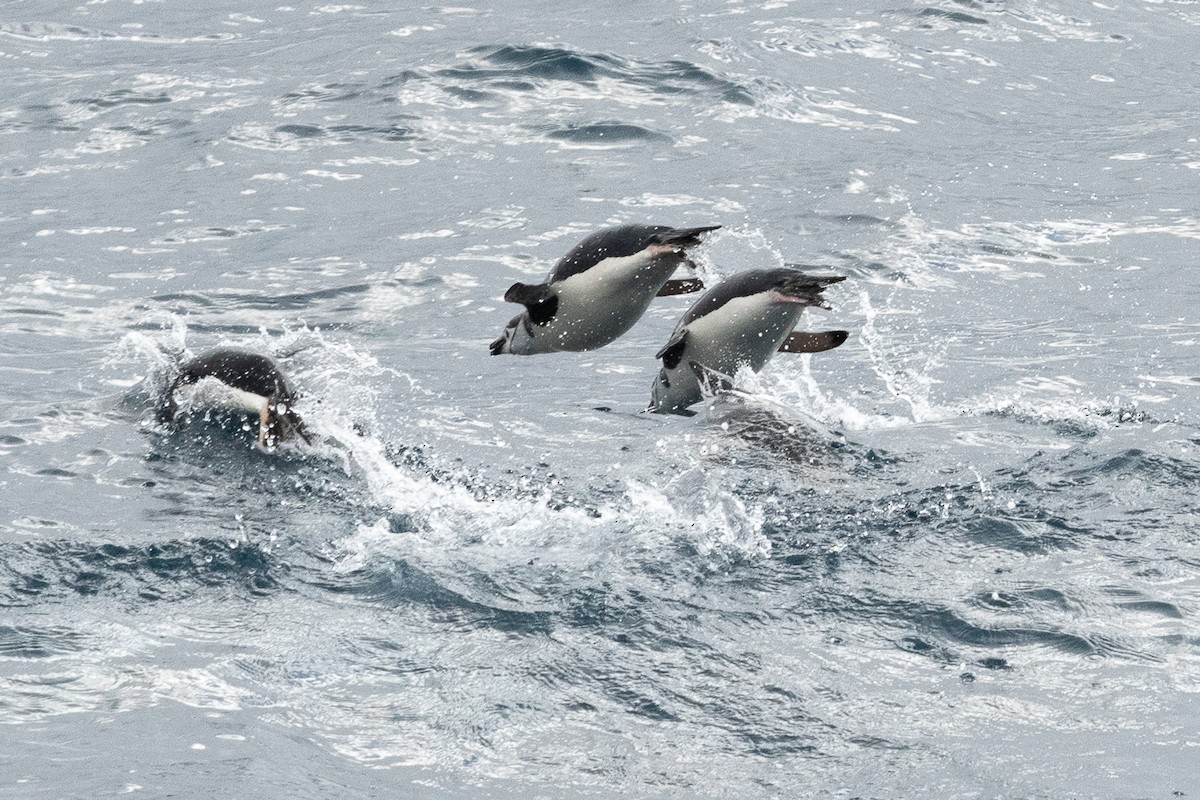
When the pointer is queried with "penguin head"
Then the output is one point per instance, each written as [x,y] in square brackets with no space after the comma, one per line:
[516,339]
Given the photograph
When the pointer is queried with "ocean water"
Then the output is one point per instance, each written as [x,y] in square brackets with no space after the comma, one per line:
[957,557]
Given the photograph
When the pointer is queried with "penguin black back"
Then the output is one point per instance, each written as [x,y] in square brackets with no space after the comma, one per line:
[620,242]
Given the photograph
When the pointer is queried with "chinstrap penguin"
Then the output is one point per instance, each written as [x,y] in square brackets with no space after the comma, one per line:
[249,383]
[599,290]
[742,321]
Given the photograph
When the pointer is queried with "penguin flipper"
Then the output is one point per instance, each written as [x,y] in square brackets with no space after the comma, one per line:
[806,342]
[672,352]
[539,301]
[680,286]
[526,293]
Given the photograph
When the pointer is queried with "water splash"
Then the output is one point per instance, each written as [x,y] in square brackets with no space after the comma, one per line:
[906,372]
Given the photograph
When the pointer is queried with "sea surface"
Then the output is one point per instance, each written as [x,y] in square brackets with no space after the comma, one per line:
[957,557]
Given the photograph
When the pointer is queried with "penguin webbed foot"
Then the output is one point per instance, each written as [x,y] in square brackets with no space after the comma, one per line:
[812,342]
[680,286]
[819,280]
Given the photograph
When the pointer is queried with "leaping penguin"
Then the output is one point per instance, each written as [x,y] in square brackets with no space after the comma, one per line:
[744,320]
[250,383]
[599,290]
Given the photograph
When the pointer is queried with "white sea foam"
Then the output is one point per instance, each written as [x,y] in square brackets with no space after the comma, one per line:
[690,509]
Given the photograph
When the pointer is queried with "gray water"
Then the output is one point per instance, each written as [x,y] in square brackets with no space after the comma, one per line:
[957,557]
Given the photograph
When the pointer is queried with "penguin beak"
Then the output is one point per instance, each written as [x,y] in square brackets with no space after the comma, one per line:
[504,343]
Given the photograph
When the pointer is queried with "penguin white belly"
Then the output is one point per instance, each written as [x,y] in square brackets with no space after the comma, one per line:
[597,306]
[212,393]
[746,331]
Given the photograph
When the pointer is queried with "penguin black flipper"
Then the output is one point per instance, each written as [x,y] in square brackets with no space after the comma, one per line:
[680,286]
[810,342]
[539,301]
[526,293]
[672,352]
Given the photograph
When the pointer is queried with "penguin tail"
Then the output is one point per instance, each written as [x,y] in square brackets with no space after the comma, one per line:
[811,281]
[683,237]
[803,287]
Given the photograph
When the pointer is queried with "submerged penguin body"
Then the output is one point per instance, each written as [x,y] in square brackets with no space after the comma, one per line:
[246,383]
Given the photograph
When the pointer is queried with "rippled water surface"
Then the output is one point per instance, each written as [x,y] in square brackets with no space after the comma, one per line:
[956,557]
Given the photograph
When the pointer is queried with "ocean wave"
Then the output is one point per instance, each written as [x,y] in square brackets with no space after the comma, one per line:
[296,137]
[583,99]
[55,31]
[58,570]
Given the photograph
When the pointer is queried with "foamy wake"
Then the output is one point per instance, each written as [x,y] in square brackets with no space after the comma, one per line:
[443,512]
[690,510]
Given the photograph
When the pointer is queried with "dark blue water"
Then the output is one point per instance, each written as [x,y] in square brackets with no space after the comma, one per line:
[956,557]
